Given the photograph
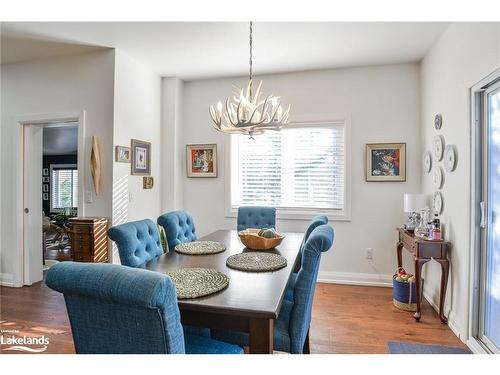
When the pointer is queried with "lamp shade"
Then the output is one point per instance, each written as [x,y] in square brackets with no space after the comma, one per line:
[414,202]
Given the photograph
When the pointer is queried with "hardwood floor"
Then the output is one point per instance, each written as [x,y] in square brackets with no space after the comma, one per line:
[346,319]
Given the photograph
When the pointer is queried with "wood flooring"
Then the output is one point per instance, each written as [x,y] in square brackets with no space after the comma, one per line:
[345,319]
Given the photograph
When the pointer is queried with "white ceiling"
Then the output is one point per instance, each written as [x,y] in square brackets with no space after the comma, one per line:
[194,50]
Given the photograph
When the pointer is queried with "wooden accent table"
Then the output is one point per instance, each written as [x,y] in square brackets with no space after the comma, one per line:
[252,301]
[89,240]
[423,251]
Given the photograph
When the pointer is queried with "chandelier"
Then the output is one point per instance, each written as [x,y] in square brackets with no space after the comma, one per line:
[246,112]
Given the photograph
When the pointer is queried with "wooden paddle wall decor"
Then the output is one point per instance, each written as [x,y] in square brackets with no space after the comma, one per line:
[95,164]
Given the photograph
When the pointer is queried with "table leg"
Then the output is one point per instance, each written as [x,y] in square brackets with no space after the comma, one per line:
[418,281]
[445,270]
[261,336]
[399,250]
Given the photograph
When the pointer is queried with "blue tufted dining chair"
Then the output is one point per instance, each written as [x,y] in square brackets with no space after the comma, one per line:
[315,222]
[137,242]
[291,329]
[179,227]
[256,217]
[121,310]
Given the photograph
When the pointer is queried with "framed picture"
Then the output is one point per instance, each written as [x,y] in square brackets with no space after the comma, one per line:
[147,182]
[45,188]
[122,154]
[45,196]
[45,171]
[386,162]
[45,180]
[140,157]
[201,160]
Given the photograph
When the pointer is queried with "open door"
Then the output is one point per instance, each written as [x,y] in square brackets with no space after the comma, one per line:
[32,191]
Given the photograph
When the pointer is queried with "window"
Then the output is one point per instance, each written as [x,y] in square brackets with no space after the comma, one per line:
[300,169]
[64,187]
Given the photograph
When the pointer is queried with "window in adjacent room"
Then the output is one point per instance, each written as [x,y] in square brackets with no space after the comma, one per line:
[300,169]
[64,187]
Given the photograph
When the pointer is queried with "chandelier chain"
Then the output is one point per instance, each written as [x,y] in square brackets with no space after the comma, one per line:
[251,75]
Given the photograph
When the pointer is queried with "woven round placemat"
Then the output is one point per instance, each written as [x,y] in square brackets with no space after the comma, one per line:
[197,282]
[200,248]
[255,261]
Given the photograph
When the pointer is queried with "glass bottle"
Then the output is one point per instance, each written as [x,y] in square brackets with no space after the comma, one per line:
[422,230]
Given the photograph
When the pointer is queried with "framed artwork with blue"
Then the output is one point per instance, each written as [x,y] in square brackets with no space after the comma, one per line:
[386,162]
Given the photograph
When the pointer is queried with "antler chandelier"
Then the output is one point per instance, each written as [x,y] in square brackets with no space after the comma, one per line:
[247,113]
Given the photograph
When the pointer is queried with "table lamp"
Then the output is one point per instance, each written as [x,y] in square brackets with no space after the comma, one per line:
[413,203]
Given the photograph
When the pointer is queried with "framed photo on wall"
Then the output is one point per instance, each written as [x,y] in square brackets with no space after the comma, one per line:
[386,162]
[140,157]
[122,154]
[201,160]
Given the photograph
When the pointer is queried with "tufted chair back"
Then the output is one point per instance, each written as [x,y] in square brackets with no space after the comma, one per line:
[320,240]
[315,222]
[118,310]
[137,241]
[179,227]
[256,217]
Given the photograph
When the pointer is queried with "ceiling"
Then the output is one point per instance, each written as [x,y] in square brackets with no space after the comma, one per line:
[197,50]
[60,140]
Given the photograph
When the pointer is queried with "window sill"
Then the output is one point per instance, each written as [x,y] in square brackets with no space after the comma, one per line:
[300,214]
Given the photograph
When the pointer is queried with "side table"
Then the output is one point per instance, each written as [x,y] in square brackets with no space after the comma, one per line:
[423,251]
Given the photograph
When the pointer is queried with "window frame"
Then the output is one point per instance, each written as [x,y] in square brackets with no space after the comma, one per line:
[59,166]
[299,213]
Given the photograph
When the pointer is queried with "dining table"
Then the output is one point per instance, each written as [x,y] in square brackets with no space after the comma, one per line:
[252,300]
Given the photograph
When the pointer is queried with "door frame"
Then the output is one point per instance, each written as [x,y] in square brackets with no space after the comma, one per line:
[40,120]
[476,188]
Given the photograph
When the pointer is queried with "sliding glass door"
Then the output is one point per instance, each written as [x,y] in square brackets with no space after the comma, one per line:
[489,301]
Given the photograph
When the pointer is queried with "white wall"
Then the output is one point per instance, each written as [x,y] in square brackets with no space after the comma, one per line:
[465,53]
[137,94]
[64,84]
[172,147]
[383,105]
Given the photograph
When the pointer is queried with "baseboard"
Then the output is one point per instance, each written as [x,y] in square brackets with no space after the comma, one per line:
[452,323]
[6,279]
[349,278]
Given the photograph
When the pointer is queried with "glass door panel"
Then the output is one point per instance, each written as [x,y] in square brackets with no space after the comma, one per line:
[491,253]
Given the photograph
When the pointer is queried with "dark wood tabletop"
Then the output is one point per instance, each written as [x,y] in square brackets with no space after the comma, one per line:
[249,294]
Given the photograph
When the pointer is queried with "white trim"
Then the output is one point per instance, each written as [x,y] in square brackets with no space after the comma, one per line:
[348,278]
[475,346]
[33,119]
[6,279]
[452,322]
[300,213]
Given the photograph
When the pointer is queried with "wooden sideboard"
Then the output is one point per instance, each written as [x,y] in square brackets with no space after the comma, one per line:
[89,242]
[424,251]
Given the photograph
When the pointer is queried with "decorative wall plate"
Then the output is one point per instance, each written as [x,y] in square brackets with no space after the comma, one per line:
[450,158]
[438,147]
[438,121]
[437,177]
[427,161]
[437,202]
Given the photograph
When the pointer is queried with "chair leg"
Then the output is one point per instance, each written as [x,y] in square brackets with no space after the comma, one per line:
[307,349]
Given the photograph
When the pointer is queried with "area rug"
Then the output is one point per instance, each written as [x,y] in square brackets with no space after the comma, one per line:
[396,347]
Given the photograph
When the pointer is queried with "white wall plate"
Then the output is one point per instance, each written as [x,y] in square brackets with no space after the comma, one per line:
[438,147]
[438,177]
[450,158]
[427,161]
[437,202]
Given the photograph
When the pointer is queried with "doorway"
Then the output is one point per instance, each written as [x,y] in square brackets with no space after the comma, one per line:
[485,329]
[52,191]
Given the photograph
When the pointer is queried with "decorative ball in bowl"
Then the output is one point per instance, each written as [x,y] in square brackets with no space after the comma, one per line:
[260,239]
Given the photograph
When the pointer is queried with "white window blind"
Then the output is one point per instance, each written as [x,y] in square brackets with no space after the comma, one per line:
[64,188]
[297,167]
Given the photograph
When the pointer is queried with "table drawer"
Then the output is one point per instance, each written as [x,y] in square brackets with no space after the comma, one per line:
[82,229]
[430,250]
[408,242]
